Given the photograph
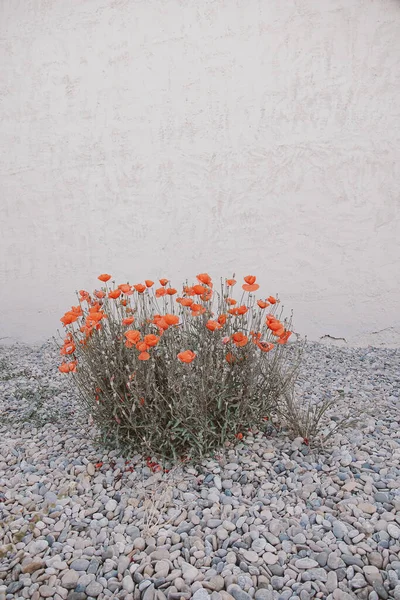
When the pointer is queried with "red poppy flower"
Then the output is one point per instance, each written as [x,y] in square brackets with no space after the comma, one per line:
[125,288]
[230,358]
[231,282]
[144,356]
[114,294]
[262,303]
[99,293]
[199,289]
[171,319]
[187,356]
[69,318]
[213,325]
[151,339]
[140,288]
[185,301]
[160,292]
[271,299]
[250,279]
[204,278]
[231,301]
[164,281]
[250,287]
[171,291]
[104,277]
[222,319]
[149,282]
[240,339]
[128,320]
[265,346]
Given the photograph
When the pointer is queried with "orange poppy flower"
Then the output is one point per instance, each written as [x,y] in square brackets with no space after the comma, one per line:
[206,297]
[185,301]
[250,287]
[231,301]
[171,291]
[274,324]
[128,320]
[99,293]
[231,282]
[171,319]
[125,288]
[199,289]
[240,339]
[69,318]
[189,291]
[160,292]
[151,339]
[160,322]
[164,281]
[68,348]
[271,299]
[187,356]
[240,310]
[77,310]
[265,346]
[149,282]
[230,358]
[114,294]
[250,279]
[213,325]
[197,310]
[239,436]
[104,277]
[142,346]
[222,319]
[284,337]
[144,356]
[262,304]
[69,367]
[124,302]
[133,335]
[140,288]
[204,278]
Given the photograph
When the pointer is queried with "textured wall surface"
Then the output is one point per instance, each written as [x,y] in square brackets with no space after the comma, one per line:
[168,137]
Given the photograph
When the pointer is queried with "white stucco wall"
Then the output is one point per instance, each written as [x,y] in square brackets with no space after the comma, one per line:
[169,137]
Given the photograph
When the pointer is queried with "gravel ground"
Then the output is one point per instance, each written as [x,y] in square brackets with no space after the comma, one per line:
[269,519]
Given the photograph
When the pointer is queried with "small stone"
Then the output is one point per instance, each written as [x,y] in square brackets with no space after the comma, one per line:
[269,558]
[305,563]
[201,594]
[334,561]
[111,505]
[90,469]
[94,589]
[128,584]
[372,574]
[358,582]
[216,583]
[46,591]
[32,566]
[189,572]
[367,508]
[251,556]
[81,564]
[331,582]
[339,529]
[69,579]
[393,531]
[238,593]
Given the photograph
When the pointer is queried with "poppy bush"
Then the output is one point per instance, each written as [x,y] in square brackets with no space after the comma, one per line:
[176,375]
